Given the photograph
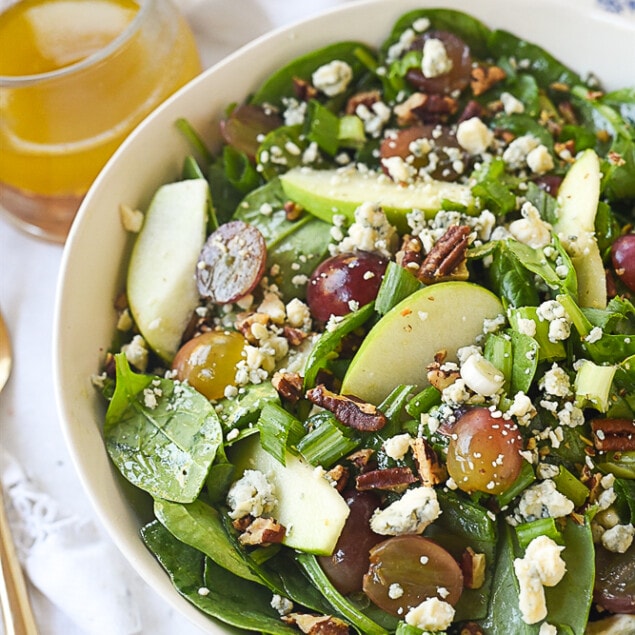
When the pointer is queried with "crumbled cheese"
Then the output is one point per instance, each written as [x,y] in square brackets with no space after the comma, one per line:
[515,155]
[522,408]
[619,538]
[136,353]
[332,78]
[124,322]
[399,169]
[559,320]
[531,229]
[543,500]
[474,136]
[283,605]
[571,415]
[435,60]
[395,591]
[542,565]
[431,615]
[547,629]
[273,306]
[540,160]
[370,231]
[595,334]
[410,514]
[397,447]
[251,495]
[511,104]
[556,382]
[456,393]
[374,117]
[298,314]
[131,219]
[526,326]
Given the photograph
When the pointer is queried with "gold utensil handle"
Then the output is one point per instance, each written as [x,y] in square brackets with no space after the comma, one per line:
[16,607]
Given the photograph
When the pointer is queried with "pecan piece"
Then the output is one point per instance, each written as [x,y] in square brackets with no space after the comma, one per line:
[421,107]
[366,98]
[288,385]
[391,478]
[473,568]
[471,628]
[441,375]
[484,77]
[361,458]
[292,210]
[431,471]
[612,435]
[446,259]
[317,624]
[338,474]
[262,531]
[349,410]
[294,336]
[409,255]
[303,90]
[246,321]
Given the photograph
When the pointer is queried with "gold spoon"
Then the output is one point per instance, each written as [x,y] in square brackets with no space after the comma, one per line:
[14,598]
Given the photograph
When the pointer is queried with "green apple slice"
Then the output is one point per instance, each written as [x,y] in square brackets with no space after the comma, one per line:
[161,283]
[578,199]
[444,316]
[341,191]
[308,506]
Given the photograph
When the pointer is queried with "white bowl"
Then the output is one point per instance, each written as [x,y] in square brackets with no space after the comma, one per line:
[93,264]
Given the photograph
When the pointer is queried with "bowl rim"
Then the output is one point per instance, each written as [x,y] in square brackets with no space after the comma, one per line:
[67,403]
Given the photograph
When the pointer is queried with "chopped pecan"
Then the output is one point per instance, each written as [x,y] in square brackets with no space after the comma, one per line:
[484,77]
[472,109]
[568,112]
[262,531]
[294,336]
[405,111]
[245,322]
[361,458]
[366,98]
[288,385]
[409,255]
[421,107]
[317,624]
[446,259]
[390,478]
[441,376]
[471,628]
[303,90]
[431,471]
[338,474]
[349,410]
[612,435]
[473,568]
[292,210]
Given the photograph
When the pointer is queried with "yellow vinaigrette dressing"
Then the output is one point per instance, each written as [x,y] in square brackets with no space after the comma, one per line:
[58,131]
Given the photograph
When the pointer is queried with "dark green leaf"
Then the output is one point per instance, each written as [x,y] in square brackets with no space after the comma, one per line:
[162,436]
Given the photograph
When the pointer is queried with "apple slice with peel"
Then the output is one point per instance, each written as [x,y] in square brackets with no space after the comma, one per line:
[161,283]
[444,316]
[578,199]
[312,511]
[341,191]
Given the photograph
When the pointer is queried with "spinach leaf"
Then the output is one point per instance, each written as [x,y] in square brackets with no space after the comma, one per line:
[199,525]
[542,65]
[472,31]
[568,602]
[296,247]
[510,279]
[244,409]
[522,124]
[231,599]
[280,84]
[162,436]
[464,523]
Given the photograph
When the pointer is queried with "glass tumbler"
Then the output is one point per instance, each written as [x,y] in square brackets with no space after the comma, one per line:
[76,76]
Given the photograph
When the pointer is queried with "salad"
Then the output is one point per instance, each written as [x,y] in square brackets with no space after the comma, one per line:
[375,357]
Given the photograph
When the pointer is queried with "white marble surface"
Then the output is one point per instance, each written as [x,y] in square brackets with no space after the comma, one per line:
[29,428]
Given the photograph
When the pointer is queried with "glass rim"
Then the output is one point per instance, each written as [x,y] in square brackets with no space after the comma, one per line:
[18,81]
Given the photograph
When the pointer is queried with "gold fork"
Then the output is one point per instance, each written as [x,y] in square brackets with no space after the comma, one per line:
[16,607]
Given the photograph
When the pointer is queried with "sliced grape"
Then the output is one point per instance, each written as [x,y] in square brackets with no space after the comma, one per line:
[457,78]
[406,570]
[349,562]
[484,452]
[231,263]
[244,125]
[615,580]
[208,362]
[623,258]
[344,282]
